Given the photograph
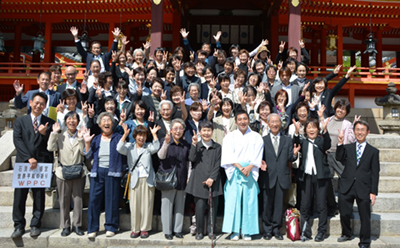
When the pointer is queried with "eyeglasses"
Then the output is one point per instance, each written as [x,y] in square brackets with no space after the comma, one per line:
[178,129]
[70,74]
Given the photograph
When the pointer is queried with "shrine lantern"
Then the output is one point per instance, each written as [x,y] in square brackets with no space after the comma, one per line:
[371,42]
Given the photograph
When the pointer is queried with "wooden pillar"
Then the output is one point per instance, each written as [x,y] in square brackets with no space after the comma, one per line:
[176,26]
[111,27]
[157,25]
[323,47]
[48,45]
[352,58]
[17,42]
[294,31]
[351,94]
[379,48]
[339,54]
[314,49]
[398,59]
[274,41]
[127,33]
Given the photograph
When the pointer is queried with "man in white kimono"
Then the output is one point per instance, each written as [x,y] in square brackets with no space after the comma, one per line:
[241,158]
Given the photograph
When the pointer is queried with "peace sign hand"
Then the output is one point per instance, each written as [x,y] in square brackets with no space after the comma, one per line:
[83,88]
[296,126]
[296,149]
[122,116]
[341,137]
[151,117]
[163,95]
[167,137]
[191,56]
[91,111]
[282,46]
[61,106]
[356,118]
[195,138]
[84,108]
[302,45]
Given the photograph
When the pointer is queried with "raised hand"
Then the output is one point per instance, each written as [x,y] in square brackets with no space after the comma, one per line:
[154,130]
[264,42]
[139,90]
[184,33]
[167,137]
[19,88]
[61,106]
[296,149]
[191,56]
[324,124]
[163,95]
[91,111]
[337,69]
[87,137]
[151,117]
[302,45]
[56,127]
[269,61]
[282,46]
[114,56]
[122,116]
[356,118]
[146,45]
[165,57]
[81,132]
[296,126]
[280,65]
[312,104]
[321,112]
[263,166]
[116,32]
[341,137]
[84,108]
[217,36]
[204,104]
[305,88]
[126,130]
[124,40]
[42,128]
[236,67]
[129,71]
[195,138]
[83,88]
[74,32]
[351,69]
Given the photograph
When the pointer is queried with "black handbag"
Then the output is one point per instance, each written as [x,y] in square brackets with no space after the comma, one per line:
[166,180]
[72,172]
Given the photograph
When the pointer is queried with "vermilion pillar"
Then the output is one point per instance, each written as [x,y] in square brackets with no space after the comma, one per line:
[127,33]
[339,54]
[352,58]
[323,47]
[110,35]
[295,28]
[274,41]
[157,16]
[378,47]
[314,49]
[176,26]
[47,46]
[17,42]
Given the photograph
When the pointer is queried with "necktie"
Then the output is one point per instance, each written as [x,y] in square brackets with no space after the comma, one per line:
[276,144]
[35,124]
[358,153]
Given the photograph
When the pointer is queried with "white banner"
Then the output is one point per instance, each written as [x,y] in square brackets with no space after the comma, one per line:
[24,177]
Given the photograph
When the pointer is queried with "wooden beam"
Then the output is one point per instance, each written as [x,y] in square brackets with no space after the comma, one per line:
[294,30]
[157,26]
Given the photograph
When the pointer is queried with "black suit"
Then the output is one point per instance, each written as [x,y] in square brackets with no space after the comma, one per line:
[88,57]
[357,182]
[314,183]
[30,145]
[329,94]
[275,181]
[82,97]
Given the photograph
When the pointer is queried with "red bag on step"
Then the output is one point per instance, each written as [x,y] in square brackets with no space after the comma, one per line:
[293,224]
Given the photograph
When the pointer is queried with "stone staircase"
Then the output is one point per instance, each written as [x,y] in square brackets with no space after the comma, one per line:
[385,217]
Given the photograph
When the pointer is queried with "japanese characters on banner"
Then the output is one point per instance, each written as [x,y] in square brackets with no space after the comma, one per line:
[24,177]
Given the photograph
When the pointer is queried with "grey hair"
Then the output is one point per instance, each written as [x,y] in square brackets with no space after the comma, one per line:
[171,105]
[194,84]
[178,120]
[138,50]
[273,114]
[105,114]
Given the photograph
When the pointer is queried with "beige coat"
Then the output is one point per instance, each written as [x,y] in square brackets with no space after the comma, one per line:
[68,154]
[218,134]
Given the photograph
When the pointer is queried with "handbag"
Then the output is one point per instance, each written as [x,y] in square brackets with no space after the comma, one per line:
[166,180]
[126,179]
[72,172]
[292,224]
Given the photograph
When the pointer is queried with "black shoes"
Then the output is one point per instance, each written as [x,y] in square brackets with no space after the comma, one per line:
[320,237]
[343,238]
[65,232]
[304,238]
[77,230]
[212,236]
[278,236]
[18,233]
[179,235]
[168,236]
[267,236]
[199,236]
[35,231]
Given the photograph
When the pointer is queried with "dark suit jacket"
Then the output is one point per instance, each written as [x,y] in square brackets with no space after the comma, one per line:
[21,101]
[82,97]
[148,100]
[30,144]
[89,56]
[296,90]
[329,94]
[277,165]
[321,145]
[365,176]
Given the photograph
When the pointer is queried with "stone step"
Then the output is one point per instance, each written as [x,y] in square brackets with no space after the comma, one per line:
[389,155]
[386,184]
[52,238]
[384,141]
[386,224]
[390,168]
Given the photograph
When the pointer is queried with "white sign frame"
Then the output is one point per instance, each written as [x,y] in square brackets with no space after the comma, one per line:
[24,177]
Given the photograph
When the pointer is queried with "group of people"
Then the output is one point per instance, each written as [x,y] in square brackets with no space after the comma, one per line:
[227,124]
